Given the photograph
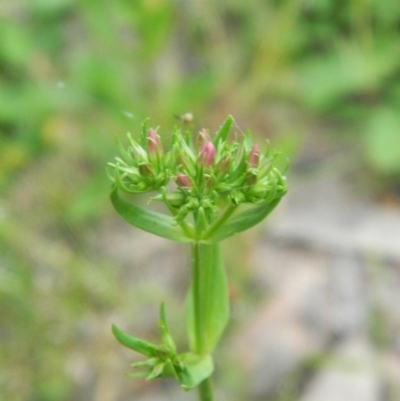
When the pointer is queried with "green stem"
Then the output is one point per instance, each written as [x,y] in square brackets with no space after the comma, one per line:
[209,304]
[225,216]
[197,298]
[206,392]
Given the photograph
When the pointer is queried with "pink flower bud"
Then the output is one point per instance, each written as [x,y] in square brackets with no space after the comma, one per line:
[153,143]
[254,156]
[202,138]
[207,154]
[183,180]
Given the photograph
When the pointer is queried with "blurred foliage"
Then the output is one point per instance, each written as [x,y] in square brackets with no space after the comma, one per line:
[75,73]
[98,64]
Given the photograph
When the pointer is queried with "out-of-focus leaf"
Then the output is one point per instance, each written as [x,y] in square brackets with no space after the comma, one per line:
[382,143]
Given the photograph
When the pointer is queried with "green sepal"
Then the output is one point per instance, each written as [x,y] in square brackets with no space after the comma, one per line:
[247,141]
[195,369]
[242,221]
[143,133]
[223,132]
[120,184]
[240,170]
[153,222]
[141,346]
[156,371]
[125,155]
[214,299]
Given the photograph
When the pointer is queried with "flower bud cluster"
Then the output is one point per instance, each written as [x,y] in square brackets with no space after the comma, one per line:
[208,171]
[142,167]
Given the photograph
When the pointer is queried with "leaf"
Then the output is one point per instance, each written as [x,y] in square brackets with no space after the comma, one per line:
[195,369]
[223,132]
[138,375]
[141,346]
[166,336]
[242,221]
[169,370]
[382,140]
[147,220]
[207,306]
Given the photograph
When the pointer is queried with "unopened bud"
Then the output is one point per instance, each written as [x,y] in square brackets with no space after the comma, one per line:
[153,143]
[254,156]
[202,138]
[183,180]
[207,154]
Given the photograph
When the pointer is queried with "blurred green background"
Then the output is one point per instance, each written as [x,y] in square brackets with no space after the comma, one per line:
[321,77]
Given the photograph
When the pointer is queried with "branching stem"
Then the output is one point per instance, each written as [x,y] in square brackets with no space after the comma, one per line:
[217,224]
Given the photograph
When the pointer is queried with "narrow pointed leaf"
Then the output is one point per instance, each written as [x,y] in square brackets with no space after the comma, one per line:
[223,132]
[126,157]
[141,346]
[156,371]
[147,220]
[243,221]
[147,362]
[166,336]
[120,184]
[138,375]
[143,133]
